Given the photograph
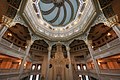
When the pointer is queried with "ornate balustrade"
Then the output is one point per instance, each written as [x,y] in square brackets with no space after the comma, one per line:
[12,73]
[107,73]
[112,46]
[108,47]
[10,46]
[111,72]
[114,73]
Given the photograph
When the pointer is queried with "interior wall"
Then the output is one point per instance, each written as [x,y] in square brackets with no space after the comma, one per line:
[3,8]
[116,7]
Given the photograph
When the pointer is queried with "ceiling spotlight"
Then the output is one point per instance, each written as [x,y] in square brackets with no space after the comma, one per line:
[92,46]
[108,34]
[25,46]
[25,65]
[98,63]
[9,34]
[75,22]
[19,63]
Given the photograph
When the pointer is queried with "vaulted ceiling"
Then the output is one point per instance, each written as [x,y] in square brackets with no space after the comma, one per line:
[58,12]
[59,19]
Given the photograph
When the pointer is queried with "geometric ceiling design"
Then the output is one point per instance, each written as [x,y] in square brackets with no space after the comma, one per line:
[59,19]
[58,12]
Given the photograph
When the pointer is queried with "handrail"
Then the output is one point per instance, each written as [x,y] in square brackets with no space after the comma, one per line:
[11,45]
[108,45]
[107,71]
[102,71]
[10,71]
[110,71]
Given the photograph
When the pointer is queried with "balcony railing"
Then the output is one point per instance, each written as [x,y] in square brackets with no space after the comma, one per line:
[110,71]
[12,73]
[11,45]
[114,73]
[4,72]
[108,46]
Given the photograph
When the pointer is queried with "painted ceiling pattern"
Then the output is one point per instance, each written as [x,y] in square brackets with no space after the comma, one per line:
[58,12]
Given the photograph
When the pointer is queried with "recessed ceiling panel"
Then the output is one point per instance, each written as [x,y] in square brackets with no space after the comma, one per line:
[58,12]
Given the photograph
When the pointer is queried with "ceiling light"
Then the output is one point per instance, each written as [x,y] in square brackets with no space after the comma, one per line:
[25,65]
[98,63]
[108,34]
[75,22]
[19,63]
[92,46]
[25,46]
[9,34]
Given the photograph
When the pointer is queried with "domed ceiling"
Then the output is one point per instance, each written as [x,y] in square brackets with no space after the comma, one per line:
[58,12]
[59,20]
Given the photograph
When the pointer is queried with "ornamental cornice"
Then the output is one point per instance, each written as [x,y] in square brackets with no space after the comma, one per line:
[19,19]
[61,35]
[100,19]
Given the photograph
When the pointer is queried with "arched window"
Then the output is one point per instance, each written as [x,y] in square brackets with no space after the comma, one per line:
[37,77]
[31,77]
[33,67]
[39,67]
[84,67]
[78,66]
[80,76]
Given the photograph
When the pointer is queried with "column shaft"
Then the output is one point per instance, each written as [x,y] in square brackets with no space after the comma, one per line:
[94,61]
[2,32]
[117,31]
[47,71]
[70,65]
[24,59]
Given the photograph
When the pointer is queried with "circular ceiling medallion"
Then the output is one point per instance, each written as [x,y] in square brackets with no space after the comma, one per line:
[59,12]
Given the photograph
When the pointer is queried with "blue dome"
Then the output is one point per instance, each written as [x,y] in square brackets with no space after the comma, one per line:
[58,12]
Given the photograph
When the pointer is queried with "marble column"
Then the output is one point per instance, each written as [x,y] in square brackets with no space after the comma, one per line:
[116,28]
[70,65]
[29,43]
[94,60]
[2,32]
[44,66]
[48,63]
[75,64]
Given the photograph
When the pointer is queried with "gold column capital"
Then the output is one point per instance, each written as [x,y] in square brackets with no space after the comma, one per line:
[6,20]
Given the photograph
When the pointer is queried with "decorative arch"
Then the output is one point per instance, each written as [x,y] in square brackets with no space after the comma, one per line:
[79,49]
[101,34]
[38,49]
[18,35]
[54,50]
